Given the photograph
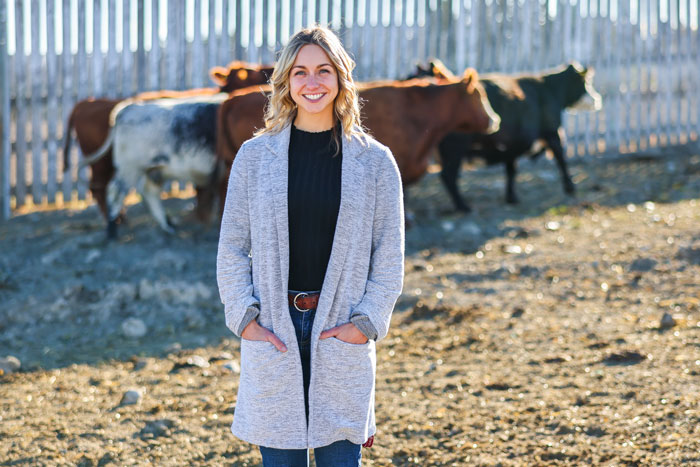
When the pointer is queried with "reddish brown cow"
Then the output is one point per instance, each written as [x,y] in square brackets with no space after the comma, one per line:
[407,116]
[90,119]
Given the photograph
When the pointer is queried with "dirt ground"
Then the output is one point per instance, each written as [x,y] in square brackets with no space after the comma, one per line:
[561,331]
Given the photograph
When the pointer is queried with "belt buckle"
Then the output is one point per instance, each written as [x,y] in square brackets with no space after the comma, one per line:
[295,301]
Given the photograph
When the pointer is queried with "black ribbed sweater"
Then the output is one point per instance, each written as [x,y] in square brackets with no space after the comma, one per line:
[314,201]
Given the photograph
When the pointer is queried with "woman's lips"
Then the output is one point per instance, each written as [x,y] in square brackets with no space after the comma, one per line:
[314,97]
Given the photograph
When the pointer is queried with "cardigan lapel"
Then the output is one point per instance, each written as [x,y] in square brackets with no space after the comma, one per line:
[277,182]
[353,182]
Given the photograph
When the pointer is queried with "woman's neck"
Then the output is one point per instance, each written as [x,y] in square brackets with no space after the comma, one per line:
[314,123]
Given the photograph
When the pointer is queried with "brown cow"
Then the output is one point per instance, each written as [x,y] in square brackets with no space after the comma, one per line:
[407,116]
[90,120]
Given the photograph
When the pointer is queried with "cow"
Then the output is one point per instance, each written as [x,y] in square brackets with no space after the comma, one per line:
[409,117]
[89,119]
[530,106]
[154,141]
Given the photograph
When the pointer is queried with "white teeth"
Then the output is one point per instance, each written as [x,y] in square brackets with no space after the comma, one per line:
[313,97]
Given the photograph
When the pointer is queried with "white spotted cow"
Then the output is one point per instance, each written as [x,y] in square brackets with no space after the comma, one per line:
[154,141]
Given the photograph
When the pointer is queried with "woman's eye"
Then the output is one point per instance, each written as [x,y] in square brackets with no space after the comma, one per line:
[325,70]
[299,73]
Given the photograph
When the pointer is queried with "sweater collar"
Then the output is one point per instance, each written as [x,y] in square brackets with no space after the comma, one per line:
[353,145]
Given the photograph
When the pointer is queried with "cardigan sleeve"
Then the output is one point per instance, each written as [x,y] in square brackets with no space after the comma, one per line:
[233,260]
[386,269]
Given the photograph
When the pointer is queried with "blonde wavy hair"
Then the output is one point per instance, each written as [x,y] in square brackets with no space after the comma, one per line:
[281,110]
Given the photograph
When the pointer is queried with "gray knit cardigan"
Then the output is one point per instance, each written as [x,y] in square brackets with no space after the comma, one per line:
[364,277]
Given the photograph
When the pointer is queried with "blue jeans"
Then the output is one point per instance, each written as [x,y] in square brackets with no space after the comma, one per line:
[339,454]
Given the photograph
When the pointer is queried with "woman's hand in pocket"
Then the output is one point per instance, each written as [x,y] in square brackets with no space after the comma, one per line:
[347,332]
[255,332]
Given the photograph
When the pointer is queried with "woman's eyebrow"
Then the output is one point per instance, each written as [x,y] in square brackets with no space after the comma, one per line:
[318,66]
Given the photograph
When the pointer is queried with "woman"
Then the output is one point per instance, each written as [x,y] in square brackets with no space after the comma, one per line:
[317,204]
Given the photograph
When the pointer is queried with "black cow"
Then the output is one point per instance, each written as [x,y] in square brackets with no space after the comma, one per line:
[530,107]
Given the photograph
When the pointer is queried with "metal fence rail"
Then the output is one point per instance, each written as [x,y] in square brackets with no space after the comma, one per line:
[55,52]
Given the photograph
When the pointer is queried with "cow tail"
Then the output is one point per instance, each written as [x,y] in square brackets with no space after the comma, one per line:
[66,142]
[100,153]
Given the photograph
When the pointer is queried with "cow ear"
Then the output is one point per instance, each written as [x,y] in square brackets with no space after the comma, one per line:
[219,75]
[470,77]
[439,69]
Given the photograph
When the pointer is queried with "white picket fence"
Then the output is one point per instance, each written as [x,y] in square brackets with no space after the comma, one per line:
[55,52]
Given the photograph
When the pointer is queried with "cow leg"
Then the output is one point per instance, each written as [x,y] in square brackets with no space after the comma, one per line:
[554,142]
[151,195]
[117,189]
[451,164]
[451,159]
[511,197]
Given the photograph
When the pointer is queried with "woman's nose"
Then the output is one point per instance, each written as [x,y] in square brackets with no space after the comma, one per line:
[312,81]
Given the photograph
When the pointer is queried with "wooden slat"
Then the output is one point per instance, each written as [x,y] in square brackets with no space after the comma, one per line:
[652,119]
[568,14]
[690,75]
[500,27]
[154,71]
[586,57]
[380,43]
[238,32]
[528,25]
[37,107]
[576,52]
[406,57]
[112,59]
[349,10]
[224,42]
[127,62]
[140,46]
[335,16]
[363,51]
[678,72]
[271,24]
[611,102]
[198,66]
[4,116]
[274,23]
[472,50]
[81,176]
[695,63]
[665,64]
[67,98]
[638,107]
[20,104]
[52,104]
[393,42]
[97,59]
[643,73]
[212,59]
[252,49]
[171,49]
[513,43]
[282,9]
[431,27]
[181,43]
[421,30]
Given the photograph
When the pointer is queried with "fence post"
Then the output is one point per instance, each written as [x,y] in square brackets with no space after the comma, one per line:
[4,117]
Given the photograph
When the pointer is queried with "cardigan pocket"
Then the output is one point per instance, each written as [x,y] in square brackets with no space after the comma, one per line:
[263,383]
[347,371]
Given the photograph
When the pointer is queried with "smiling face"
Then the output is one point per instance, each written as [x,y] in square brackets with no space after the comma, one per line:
[313,86]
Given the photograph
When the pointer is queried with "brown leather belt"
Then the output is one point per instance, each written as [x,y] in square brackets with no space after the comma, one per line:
[303,301]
